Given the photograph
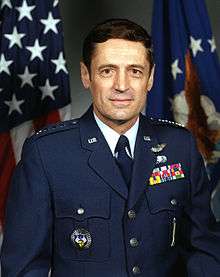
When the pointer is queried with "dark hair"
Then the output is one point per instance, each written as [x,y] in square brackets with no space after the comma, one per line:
[115,28]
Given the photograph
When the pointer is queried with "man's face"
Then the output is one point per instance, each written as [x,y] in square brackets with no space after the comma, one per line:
[119,79]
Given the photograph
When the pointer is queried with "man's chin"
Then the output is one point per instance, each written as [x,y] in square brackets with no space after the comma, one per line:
[119,120]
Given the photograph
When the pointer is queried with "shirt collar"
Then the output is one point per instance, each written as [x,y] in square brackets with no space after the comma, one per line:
[111,136]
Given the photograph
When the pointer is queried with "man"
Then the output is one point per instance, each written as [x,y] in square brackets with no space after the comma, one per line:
[112,194]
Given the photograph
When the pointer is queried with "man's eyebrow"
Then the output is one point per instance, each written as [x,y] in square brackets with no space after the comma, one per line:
[137,66]
[107,65]
[115,66]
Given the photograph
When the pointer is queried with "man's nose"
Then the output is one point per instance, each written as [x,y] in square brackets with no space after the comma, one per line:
[121,82]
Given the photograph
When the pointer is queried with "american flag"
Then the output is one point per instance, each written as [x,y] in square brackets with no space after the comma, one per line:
[34,81]
[187,78]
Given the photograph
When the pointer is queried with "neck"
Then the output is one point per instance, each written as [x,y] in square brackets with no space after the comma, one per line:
[119,126]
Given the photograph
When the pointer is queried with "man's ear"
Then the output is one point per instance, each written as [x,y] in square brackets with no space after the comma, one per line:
[85,77]
[151,79]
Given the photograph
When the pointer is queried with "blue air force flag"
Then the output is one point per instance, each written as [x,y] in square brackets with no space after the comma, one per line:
[187,78]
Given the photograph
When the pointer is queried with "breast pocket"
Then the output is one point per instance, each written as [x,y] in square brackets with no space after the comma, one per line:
[165,213]
[82,226]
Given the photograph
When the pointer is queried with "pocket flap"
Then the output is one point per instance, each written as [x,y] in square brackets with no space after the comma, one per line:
[82,206]
[158,202]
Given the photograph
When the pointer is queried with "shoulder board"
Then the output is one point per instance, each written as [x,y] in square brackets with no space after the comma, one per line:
[167,122]
[57,127]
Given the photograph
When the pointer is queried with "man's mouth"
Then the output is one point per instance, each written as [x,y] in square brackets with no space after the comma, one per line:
[119,100]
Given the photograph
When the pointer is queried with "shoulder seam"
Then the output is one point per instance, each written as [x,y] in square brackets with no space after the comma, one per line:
[54,128]
[167,122]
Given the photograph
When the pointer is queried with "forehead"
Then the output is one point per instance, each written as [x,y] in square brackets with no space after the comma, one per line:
[117,51]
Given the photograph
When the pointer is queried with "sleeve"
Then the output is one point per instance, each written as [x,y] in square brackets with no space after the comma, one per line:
[202,235]
[27,242]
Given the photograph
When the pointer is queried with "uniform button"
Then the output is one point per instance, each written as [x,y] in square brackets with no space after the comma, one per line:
[131,214]
[134,242]
[136,270]
[80,211]
[173,202]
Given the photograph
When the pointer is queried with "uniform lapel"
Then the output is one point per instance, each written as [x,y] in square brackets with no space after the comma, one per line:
[100,158]
[144,160]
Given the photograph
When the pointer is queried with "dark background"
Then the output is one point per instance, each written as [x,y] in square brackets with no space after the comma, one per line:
[80,16]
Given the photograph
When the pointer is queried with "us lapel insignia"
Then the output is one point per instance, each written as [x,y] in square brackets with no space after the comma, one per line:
[161,159]
[158,148]
[166,173]
[81,238]
[147,138]
[92,140]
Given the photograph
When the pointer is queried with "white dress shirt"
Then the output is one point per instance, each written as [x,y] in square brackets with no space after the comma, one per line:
[112,136]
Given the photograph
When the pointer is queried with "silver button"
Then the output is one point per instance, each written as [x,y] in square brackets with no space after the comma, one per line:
[134,242]
[131,214]
[173,202]
[136,270]
[80,211]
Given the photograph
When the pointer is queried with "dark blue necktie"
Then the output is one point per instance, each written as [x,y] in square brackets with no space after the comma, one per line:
[123,160]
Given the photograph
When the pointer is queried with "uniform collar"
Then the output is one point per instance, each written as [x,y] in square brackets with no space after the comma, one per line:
[111,136]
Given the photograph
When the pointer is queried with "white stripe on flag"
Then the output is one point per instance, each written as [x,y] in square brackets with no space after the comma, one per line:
[18,136]
[65,113]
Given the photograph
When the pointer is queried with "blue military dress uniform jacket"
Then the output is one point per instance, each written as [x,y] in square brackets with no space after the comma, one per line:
[68,180]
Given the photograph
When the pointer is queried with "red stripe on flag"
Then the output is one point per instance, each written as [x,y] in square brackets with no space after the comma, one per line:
[7,165]
[52,117]
[7,159]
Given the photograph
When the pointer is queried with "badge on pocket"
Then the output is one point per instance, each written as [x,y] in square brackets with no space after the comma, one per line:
[81,238]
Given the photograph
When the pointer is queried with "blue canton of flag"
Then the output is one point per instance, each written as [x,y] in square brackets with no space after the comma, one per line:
[33,74]
[34,81]
[187,78]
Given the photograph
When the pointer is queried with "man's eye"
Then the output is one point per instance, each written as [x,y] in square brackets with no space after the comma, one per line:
[136,72]
[106,72]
